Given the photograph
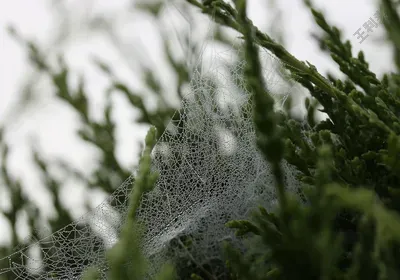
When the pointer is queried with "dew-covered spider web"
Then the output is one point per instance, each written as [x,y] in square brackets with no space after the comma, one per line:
[210,172]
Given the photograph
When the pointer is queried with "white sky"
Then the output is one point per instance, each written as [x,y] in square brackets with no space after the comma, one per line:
[54,126]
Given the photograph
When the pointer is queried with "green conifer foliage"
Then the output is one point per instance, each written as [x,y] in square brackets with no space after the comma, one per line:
[349,227]
[345,225]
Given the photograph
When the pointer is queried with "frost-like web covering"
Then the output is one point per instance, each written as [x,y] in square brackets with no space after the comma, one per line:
[210,171]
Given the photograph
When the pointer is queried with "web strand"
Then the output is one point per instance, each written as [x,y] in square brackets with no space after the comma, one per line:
[211,171]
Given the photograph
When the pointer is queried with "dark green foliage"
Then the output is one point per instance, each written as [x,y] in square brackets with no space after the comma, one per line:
[349,163]
[344,225]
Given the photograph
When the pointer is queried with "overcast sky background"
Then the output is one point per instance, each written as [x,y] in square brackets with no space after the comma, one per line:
[53,126]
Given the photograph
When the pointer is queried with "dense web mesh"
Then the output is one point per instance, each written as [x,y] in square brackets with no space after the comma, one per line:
[210,172]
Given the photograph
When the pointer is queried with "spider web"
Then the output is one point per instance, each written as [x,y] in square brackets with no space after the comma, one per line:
[211,172]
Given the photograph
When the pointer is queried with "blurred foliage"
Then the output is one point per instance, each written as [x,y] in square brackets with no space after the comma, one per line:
[108,173]
[346,226]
